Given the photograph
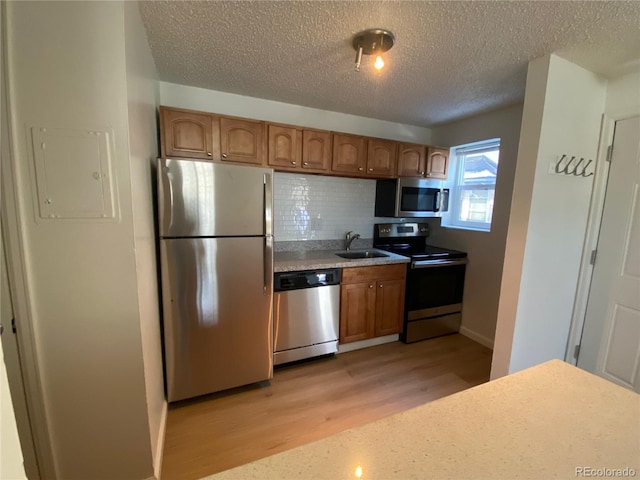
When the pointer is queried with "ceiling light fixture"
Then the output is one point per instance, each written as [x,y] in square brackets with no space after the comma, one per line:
[374,41]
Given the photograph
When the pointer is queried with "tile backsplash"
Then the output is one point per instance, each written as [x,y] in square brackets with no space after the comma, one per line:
[313,207]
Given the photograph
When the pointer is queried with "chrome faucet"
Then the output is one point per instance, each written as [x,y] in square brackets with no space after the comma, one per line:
[348,239]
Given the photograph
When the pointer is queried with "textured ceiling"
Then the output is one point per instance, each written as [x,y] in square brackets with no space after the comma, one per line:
[452,59]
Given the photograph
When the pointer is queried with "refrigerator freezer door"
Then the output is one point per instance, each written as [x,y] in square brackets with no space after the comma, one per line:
[204,199]
[217,314]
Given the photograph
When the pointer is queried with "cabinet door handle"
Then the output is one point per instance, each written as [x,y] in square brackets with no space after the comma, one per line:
[293,163]
[305,163]
[421,173]
[371,286]
[208,154]
[224,155]
[380,285]
[371,169]
[360,169]
[428,174]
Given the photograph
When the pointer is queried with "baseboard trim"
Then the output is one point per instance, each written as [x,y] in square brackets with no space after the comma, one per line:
[476,337]
[370,342]
[157,468]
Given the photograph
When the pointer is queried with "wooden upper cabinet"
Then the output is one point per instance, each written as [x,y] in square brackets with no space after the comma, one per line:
[291,148]
[189,134]
[285,147]
[203,135]
[349,154]
[412,160]
[382,157]
[242,140]
[437,163]
[316,150]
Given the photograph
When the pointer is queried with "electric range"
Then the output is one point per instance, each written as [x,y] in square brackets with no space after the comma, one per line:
[435,280]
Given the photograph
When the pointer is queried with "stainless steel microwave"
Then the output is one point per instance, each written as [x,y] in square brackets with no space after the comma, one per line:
[410,197]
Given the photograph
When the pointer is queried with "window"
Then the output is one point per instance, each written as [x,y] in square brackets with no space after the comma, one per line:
[474,167]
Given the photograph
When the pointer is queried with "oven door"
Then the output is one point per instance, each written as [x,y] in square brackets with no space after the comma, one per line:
[433,299]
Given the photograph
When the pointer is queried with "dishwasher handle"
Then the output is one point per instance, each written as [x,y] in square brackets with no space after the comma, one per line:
[285,281]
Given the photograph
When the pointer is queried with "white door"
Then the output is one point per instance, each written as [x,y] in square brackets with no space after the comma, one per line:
[610,345]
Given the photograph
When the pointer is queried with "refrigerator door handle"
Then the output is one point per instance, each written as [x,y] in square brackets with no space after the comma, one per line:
[268,203]
[268,265]
[165,197]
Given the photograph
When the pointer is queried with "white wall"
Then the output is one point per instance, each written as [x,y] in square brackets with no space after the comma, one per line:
[562,115]
[485,249]
[67,70]
[623,96]
[143,97]
[180,96]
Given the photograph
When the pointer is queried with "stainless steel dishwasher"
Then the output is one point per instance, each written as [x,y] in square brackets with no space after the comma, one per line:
[306,314]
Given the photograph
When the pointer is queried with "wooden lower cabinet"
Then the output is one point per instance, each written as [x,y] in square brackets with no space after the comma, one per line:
[357,310]
[371,301]
[389,307]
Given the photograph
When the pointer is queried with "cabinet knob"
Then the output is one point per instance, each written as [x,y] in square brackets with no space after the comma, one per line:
[380,285]
[360,169]
[371,169]
[305,163]
[370,286]
[422,173]
[428,174]
[224,155]
[293,163]
[208,154]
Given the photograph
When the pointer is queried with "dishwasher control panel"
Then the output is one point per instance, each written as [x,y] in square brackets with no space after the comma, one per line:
[306,279]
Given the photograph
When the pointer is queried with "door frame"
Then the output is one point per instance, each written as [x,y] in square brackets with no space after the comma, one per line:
[592,234]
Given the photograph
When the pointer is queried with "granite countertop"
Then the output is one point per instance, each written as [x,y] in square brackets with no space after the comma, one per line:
[549,421]
[315,259]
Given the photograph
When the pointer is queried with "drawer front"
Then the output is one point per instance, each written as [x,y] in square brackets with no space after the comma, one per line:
[432,327]
[378,272]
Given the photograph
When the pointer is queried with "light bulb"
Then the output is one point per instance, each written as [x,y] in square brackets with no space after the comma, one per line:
[379,63]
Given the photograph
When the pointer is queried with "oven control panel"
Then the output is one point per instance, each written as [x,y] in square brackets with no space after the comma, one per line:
[385,230]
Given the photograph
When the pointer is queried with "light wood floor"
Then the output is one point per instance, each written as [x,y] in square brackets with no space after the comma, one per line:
[310,401]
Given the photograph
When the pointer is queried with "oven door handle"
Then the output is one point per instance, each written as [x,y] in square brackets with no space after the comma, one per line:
[438,263]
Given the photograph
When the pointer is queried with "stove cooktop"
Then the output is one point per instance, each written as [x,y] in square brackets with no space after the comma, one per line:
[421,252]
[408,239]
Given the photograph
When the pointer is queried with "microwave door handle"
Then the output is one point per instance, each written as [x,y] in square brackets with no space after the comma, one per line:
[436,206]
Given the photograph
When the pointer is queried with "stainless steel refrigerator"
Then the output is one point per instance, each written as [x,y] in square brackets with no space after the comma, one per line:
[216,260]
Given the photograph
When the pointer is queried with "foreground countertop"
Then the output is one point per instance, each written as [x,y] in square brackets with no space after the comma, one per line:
[543,422]
[316,259]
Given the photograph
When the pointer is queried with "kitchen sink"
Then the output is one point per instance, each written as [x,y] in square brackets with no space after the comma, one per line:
[361,254]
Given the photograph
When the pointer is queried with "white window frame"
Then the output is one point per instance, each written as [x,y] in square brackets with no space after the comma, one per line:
[450,220]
